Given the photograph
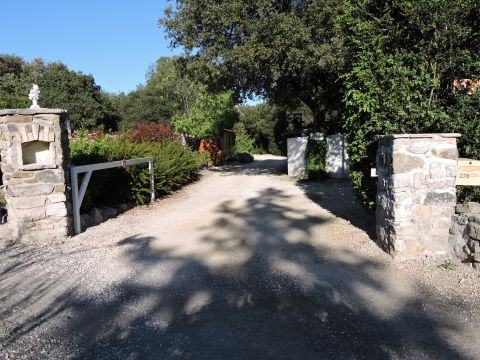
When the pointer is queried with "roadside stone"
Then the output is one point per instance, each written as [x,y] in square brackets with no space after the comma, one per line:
[86,221]
[460,219]
[457,243]
[457,229]
[123,207]
[473,245]
[474,218]
[96,215]
[470,208]
[473,231]
[108,212]
[476,257]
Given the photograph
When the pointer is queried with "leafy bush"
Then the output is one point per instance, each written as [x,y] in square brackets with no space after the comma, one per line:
[315,157]
[403,58]
[243,142]
[208,116]
[174,166]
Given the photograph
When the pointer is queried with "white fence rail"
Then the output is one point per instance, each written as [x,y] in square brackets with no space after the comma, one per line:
[79,193]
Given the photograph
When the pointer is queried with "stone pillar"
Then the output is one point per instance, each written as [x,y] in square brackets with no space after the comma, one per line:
[336,160]
[296,148]
[35,157]
[415,193]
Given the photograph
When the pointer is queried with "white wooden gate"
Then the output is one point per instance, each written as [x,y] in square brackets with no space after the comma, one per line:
[78,194]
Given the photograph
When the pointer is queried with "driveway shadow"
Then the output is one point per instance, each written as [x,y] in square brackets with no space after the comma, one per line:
[265,291]
[336,195]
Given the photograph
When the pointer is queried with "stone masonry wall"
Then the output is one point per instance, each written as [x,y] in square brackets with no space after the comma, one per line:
[465,234]
[415,193]
[34,160]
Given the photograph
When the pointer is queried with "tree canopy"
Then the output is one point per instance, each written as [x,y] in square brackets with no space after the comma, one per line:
[285,51]
[60,87]
[403,57]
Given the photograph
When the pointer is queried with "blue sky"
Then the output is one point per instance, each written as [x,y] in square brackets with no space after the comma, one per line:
[114,40]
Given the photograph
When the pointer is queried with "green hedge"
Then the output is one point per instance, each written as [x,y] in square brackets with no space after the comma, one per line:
[174,164]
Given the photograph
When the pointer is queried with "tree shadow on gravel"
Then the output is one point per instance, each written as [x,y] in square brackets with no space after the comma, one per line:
[336,196]
[267,290]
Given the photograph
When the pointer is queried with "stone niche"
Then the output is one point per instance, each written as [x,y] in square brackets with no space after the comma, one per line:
[415,193]
[35,157]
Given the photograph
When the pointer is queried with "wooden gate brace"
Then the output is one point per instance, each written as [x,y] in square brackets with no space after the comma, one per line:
[78,194]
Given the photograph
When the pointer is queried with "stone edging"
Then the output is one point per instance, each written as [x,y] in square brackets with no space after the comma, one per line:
[32,111]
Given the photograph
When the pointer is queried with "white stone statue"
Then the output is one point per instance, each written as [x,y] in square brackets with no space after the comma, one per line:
[33,95]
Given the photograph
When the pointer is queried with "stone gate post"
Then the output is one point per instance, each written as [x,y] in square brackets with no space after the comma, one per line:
[415,193]
[35,156]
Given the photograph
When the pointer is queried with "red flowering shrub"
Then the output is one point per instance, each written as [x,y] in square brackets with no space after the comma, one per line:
[465,86]
[151,132]
[213,149]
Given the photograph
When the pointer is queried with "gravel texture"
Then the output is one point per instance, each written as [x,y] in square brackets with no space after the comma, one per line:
[244,264]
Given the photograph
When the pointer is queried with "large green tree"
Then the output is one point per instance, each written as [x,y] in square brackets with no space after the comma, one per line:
[285,51]
[171,96]
[142,104]
[403,57]
[16,78]
[87,104]
[208,116]
[88,107]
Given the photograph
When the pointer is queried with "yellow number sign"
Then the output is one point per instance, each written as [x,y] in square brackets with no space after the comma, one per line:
[468,172]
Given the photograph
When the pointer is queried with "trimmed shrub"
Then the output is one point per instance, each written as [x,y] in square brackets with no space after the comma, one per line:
[243,142]
[174,166]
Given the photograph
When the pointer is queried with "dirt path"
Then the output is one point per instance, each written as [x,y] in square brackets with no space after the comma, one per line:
[244,264]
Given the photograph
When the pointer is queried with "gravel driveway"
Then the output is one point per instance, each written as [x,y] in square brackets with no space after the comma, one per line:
[244,264]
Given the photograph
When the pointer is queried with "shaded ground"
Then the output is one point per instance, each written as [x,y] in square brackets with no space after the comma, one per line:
[244,264]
